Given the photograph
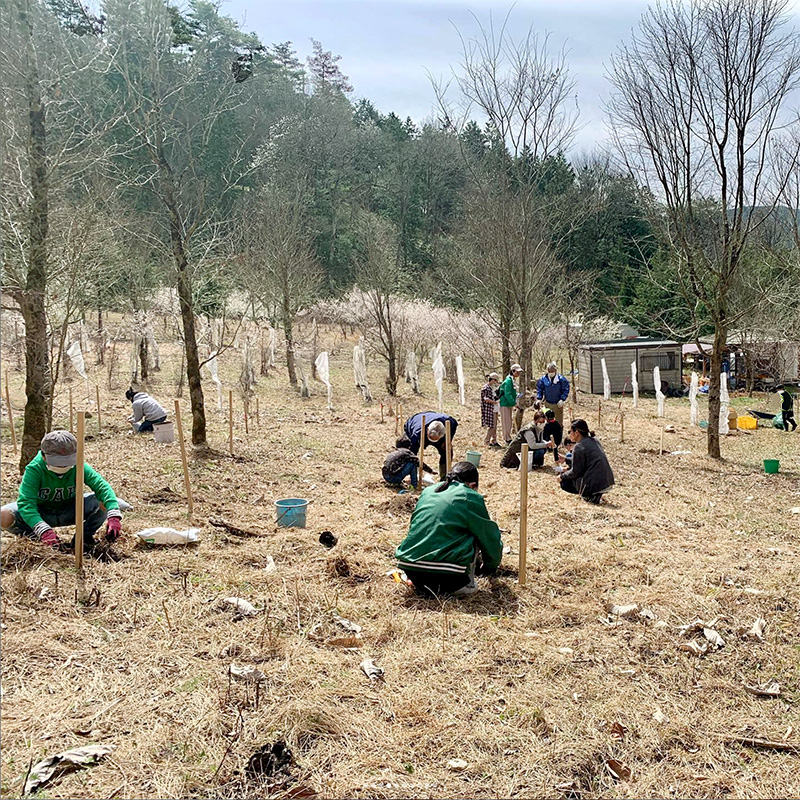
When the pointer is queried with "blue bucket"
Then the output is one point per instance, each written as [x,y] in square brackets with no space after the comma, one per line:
[291,512]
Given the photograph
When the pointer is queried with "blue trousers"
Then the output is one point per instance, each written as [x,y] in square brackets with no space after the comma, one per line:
[147,424]
[62,516]
[409,469]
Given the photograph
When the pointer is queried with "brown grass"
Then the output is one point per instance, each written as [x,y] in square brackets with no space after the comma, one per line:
[524,684]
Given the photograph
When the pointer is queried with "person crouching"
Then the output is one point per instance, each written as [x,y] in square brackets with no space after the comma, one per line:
[401,463]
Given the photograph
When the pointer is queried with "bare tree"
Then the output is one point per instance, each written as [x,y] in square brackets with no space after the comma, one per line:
[701,90]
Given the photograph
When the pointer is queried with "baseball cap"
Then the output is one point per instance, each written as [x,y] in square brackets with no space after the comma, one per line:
[516,368]
[60,449]
[493,376]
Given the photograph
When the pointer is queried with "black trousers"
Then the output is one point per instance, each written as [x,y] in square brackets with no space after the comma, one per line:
[427,583]
[788,419]
[577,487]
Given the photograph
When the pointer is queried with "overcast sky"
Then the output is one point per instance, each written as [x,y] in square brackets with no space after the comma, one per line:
[389,46]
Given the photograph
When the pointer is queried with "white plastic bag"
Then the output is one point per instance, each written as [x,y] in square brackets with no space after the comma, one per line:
[634,384]
[169,536]
[460,376]
[660,396]
[724,404]
[693,412]
[324,375]
[438,372]
[606,381]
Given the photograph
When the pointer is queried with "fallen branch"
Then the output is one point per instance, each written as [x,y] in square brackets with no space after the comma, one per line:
[766,744]
[232,529]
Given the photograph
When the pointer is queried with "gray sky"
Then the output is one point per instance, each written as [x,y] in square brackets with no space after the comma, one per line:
[388,46]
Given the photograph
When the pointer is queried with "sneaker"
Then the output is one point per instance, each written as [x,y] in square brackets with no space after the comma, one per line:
[470,588]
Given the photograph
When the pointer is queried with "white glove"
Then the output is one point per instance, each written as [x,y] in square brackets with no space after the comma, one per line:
[561,404]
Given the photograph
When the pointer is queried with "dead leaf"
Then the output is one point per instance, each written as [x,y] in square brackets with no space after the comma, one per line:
[770,689]
[713,637]
[692,627]
[618,769]
[55,766]
[624,611]
[248,674]
[269,565]
[618,731]
[347,642]
[372,670]
[660,717]
[756,633]
[457,765]
[347,624]
[695,648]
[242,606]
[647,614]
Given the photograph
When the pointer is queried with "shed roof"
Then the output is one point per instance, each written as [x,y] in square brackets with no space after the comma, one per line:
[641,341]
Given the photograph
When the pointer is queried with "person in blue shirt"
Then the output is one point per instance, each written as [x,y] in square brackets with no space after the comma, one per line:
[434,434]
[553,390]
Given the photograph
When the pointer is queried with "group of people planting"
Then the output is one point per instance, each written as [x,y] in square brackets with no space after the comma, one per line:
[451,537]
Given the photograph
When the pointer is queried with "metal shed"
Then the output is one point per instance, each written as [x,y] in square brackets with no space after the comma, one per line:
[619,354]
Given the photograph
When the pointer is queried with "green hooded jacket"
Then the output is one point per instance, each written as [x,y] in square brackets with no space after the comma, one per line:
[508,393]
[446,528]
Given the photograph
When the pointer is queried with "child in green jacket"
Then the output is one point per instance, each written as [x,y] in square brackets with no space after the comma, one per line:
[46,498]
[449,529]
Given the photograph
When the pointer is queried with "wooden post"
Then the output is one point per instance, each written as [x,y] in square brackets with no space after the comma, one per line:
[230,421]
[397,422]
[79,491]
[523,515]
[622,426]
[99,421]
[258,416]
[186,482]
[599,411]
[661,448]
[246,410]
[381,413]
[71,423]
[448,444]
[421,466]
[11,417]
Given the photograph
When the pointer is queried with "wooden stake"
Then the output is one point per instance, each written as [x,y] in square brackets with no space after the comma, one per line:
[79,490]
[622,426]
[11,417]
[99,421]
[381,413]
[186,482]
[599,411]
[246,410]
[421,466]
[230,421]
[523,515]
[71,423]
[661,448]
[258,416]
[448,444]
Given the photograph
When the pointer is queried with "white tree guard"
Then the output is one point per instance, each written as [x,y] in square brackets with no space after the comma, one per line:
[693,411]
[324,375]
[304,389]
[460,376]
[271,347]
[660,396]
[213,369]
[248,376]
[634,385]
[412,376]
[606,381]
[76,359]
[724,404]
[438,372]
[360,372]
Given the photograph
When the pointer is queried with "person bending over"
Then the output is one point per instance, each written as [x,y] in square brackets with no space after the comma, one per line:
[590,475]
[402,463]
[449,530]
[787,409]
[531,434]
[46,497]
[434,435]
[553,430]
[146,411]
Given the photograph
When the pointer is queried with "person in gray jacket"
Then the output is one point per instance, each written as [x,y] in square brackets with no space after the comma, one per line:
[146,411]
[532,435]
[590,475]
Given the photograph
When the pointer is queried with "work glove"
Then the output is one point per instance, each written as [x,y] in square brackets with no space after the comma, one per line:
[113,528]
[561,404]
[49,538]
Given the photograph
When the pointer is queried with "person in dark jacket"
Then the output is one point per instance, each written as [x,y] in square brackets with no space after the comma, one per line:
[532,435]
[553,390]
[434,434]
[402,463]
[590,475]
[552,430]
[449,530]
[787,409]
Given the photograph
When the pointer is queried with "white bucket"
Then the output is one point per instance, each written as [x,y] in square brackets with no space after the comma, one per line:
[164,432]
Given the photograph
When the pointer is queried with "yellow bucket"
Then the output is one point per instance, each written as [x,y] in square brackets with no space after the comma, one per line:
[746,423]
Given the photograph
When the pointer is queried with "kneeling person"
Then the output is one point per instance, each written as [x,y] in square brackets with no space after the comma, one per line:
[146,411]
[402,463]
[531,434]
[46,497]
[449,529]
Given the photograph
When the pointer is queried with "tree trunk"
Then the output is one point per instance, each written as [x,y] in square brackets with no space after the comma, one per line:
[101,338]
[713,394]
[143,358]
[32,302]
[288,337]
[391,381]
[190,345]
[505,343]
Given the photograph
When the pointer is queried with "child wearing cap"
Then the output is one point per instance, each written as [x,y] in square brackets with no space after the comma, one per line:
[46,498]
[552,430]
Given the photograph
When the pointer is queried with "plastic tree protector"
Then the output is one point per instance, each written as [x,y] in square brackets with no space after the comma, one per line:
[724,404]
[271,346]
[76,359]
[438,372]
[360,372]
[634,384]
[412,376]
[213,368]
[606,381]
[660,396]
[460,375]
[324,375]
[693,399]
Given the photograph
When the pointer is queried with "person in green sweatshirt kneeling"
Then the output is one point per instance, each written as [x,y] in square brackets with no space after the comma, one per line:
[46,498]
[450,529]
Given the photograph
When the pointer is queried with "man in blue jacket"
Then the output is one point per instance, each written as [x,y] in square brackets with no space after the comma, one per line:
[434,434]
[553,390]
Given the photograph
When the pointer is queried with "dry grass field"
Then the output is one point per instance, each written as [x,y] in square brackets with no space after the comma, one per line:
[536,689]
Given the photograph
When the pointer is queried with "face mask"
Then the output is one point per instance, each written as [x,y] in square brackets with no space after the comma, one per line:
[552,375]
[59,470]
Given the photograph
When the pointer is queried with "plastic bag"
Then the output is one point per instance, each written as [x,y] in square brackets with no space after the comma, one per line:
[169,536]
